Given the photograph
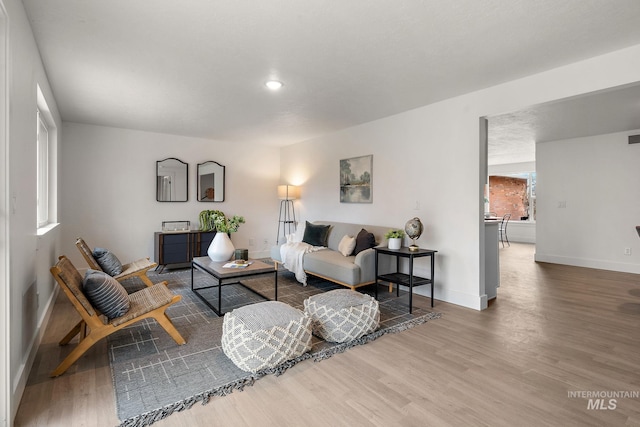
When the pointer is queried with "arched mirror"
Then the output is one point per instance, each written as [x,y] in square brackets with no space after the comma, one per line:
[210,182]
[172,180]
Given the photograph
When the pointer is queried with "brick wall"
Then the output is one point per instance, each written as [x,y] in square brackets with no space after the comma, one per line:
[507,195]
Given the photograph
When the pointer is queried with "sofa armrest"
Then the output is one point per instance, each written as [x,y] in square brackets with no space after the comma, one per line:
[275,253]
[366,260]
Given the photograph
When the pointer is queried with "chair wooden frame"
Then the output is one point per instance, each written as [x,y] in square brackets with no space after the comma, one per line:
[150,302]
[137,268]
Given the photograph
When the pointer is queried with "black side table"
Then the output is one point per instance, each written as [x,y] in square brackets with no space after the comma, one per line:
[402,278]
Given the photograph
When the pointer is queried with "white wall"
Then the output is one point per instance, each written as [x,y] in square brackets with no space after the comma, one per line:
[408,170]
[511,168]
[597,178]
[521,231]
[108,189]
[31,287]
[5,292]
[431,155]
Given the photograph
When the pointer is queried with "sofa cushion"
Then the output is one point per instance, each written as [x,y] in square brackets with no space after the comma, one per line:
[327,263]
[347,245]
[105,293]
[107,261]
[316,234]
[364,240]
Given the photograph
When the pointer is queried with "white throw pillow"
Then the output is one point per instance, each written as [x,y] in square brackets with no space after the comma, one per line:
[347,245]
[299,232]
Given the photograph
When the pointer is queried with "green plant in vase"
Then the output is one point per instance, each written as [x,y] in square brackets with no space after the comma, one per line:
[227,225]
[394,234]
[207,219]
[394,238]
[221,247]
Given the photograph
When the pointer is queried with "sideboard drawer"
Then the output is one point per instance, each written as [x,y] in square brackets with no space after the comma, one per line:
[180,248]
[173,239]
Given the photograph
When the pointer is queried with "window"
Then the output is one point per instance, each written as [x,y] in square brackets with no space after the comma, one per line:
[46,168]
[43,171]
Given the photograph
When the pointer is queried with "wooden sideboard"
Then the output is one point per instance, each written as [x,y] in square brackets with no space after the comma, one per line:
[180,247]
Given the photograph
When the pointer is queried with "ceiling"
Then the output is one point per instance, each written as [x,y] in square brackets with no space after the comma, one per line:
[512,136]
[197,67]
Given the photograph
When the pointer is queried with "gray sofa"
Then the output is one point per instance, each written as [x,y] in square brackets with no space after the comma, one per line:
[330,264]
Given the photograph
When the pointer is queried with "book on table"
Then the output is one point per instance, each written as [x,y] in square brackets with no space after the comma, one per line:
[234,264]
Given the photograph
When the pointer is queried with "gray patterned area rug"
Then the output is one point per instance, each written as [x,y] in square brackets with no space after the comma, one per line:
[154,377]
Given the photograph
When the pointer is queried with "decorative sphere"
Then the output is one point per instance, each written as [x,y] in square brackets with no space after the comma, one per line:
[414,228]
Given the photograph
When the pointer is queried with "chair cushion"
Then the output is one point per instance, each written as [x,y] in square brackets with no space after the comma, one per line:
[107,261]
[316,234]
[144,301]
[364,240]
[347,245]
[134,267]
[105,293]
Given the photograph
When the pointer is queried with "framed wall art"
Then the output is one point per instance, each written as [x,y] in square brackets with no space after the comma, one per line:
[356,177]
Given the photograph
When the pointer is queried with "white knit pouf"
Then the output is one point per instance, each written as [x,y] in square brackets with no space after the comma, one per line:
[265,334]
[342,315]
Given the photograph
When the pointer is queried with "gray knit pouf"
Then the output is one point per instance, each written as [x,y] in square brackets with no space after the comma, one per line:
[342,315]
[265,334]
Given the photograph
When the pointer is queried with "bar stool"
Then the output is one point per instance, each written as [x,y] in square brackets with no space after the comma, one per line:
[503,229]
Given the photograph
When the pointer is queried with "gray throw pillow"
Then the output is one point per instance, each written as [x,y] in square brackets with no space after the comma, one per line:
[105,293]
[364,240]
[315,234]
[107,261]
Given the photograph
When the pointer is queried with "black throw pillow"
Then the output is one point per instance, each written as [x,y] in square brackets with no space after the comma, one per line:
[364,240]
[316,234]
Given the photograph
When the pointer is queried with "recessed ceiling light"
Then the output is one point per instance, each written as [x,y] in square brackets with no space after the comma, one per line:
[273,84]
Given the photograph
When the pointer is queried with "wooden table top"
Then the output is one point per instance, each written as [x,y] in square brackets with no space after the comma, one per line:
[217,269]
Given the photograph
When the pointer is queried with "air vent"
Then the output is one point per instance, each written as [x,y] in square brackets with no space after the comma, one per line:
[634,139]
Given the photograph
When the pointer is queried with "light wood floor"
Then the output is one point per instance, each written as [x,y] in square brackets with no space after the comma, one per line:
[553,329]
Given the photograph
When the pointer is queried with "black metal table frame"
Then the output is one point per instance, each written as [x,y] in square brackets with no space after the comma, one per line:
[235,281]
[406,279]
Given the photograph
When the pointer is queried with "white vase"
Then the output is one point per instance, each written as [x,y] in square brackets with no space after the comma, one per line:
[395,243]
[220,248]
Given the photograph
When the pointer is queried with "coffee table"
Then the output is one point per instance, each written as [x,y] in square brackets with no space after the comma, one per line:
[230,276]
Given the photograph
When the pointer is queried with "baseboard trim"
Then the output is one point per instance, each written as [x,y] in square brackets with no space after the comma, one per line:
[451,296]
[589,263]
[20,380]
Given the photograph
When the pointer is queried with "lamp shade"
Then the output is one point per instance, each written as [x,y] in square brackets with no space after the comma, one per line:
[288,192]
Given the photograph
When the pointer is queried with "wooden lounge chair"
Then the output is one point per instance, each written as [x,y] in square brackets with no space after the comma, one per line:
[146,303]
[137,268]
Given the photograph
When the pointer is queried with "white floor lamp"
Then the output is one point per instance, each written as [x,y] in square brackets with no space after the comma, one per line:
[287,219]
